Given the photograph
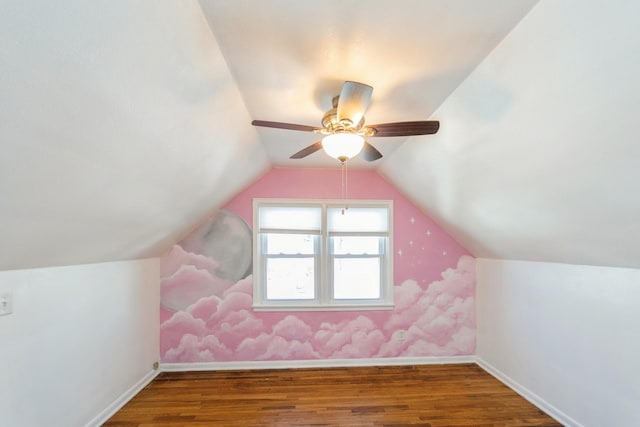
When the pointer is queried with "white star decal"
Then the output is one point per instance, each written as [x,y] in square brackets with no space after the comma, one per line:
[428,233]
[412,219]
[400,252]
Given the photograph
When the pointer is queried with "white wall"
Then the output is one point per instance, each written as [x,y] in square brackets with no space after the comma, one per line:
[566,335]
[78,339]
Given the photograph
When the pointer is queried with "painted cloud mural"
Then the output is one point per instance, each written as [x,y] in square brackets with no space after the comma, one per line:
[206,290]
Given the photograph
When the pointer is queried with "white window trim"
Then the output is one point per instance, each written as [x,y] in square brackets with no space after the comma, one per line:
[323,291]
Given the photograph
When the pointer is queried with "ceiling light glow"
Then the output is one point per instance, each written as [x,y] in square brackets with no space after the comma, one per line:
[343,145]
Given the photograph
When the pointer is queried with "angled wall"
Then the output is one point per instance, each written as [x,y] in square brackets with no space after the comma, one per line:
[209,319]
[113,114]
[537,155]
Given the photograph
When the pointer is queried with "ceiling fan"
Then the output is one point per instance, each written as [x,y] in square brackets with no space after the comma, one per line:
[344,129]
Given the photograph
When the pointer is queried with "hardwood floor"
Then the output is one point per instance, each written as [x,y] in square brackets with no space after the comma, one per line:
[426,395]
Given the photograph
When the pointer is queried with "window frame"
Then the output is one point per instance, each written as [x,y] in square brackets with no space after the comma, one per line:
[323,278]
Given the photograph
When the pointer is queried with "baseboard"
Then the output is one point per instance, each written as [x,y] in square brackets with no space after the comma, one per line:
[536,400]
[325,363]
[114,407]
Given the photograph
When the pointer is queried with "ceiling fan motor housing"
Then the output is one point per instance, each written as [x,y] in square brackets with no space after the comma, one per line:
[331,124]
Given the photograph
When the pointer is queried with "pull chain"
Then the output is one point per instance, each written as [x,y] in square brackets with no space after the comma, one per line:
[345,184]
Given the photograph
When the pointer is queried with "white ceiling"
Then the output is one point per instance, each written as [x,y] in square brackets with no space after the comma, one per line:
[289,58]
[124,123]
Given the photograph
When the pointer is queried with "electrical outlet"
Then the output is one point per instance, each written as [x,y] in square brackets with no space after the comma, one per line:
[401,335]
[6,303]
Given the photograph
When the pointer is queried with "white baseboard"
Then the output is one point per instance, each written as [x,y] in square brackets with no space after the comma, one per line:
[325,363]
[114,407]
[536,400]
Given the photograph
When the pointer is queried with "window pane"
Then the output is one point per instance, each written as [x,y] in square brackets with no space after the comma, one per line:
[357,219]
[290,218]
[356,245]
[290,243]
[356,278]
[290,278]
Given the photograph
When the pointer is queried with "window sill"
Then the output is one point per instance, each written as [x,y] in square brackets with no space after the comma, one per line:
[332,307]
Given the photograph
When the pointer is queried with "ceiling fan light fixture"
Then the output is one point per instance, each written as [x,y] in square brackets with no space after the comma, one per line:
[342,145]
[344,125]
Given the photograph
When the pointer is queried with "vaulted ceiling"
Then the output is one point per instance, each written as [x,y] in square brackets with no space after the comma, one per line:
[124,123]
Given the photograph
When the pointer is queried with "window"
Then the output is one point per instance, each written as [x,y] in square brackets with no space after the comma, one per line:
[317,255]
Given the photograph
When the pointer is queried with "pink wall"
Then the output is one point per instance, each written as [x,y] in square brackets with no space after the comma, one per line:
[207,316]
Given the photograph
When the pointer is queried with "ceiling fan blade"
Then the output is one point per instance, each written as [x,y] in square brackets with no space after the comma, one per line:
[353,102]
[423,127]
[370,153]
[307,150]
[280,125]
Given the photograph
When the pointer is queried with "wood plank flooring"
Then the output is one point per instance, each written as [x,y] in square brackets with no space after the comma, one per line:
[425,395]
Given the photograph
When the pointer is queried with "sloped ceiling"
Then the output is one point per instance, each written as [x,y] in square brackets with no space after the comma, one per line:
[124,123]
[121,127]
[538,157]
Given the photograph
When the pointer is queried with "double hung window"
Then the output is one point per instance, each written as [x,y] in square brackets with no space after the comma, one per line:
[317,255]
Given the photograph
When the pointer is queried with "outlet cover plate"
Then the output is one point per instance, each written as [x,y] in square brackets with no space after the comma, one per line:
[6,303]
